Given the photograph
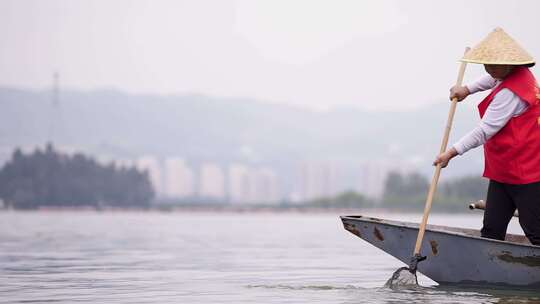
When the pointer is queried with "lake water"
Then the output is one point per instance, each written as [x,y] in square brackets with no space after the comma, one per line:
[69,257]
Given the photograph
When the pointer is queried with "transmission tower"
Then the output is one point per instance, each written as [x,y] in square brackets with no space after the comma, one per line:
[55,108]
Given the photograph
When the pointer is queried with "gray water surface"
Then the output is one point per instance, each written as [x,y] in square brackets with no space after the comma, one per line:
[70,257]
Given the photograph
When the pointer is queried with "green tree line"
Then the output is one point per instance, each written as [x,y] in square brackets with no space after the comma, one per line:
[409,192]
[47,178]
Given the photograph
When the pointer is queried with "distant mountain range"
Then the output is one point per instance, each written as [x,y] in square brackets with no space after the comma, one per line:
[202,128]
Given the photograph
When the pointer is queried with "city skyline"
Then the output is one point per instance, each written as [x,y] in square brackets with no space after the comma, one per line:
[176,179]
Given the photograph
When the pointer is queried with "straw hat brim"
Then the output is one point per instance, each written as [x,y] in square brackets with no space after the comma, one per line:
[498,62]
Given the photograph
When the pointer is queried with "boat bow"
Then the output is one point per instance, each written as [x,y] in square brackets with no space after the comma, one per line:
[454,255]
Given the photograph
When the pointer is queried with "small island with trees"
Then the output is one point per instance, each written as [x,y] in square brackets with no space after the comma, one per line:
[49,179]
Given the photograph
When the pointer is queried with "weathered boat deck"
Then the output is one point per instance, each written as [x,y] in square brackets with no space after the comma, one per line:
[454,255]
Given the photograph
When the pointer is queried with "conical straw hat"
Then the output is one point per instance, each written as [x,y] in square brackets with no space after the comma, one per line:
[498,48]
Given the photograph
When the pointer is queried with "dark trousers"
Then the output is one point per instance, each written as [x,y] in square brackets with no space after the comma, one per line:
[502,200]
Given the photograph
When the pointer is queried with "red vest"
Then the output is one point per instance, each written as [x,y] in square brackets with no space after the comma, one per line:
[512,155]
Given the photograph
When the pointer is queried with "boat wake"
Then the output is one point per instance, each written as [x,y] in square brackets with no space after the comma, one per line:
[412,294]
[402,279]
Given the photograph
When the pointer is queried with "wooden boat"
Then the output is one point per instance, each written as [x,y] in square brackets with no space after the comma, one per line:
[454,255]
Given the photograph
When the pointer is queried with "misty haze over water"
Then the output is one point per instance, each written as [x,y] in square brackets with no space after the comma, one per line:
[202,151]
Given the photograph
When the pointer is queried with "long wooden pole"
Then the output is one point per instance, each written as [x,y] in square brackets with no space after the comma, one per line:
[437,173]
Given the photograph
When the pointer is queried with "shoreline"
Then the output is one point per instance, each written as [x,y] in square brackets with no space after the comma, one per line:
[235,209]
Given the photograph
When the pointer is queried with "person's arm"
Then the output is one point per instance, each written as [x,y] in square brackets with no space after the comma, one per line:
[503,107]
[481,84]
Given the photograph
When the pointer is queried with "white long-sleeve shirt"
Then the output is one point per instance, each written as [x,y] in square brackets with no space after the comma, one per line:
[503,107]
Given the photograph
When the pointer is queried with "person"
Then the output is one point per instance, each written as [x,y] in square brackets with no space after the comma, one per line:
[509,130]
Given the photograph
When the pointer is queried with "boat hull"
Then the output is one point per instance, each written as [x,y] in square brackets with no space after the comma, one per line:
[454,255]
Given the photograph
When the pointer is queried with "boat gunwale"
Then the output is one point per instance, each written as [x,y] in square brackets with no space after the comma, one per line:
[434,228]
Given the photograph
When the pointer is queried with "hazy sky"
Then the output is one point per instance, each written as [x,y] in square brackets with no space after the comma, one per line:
[317,54]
